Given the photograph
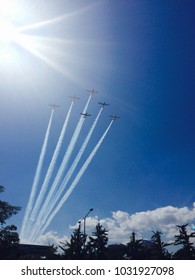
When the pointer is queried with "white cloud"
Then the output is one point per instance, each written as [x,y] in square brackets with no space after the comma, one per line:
[52,238]
[121,224]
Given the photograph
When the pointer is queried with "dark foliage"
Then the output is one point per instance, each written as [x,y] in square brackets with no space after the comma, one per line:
[7,210]
[187,251]
[75,249]
[97,245]
[158,248]
[135,249]
[9,238]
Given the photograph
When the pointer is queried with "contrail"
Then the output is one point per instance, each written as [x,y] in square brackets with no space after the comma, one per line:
[36,179]
[74,183]
[62,168]
[70,171]
[73,167]
[51,166]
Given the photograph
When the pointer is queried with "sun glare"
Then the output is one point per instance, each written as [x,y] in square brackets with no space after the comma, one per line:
[8,32]
[43,37]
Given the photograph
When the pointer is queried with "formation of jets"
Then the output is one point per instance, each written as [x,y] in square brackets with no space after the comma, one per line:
[91,92]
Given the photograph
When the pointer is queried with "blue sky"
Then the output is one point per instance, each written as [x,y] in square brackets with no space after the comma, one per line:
[139,56]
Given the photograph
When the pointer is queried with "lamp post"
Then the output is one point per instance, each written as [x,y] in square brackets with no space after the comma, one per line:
[84,227]
[84,219]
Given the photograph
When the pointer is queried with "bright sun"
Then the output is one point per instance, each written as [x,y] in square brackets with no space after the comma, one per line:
[8,32]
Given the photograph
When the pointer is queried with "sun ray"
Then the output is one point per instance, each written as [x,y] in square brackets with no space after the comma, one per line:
[29,44]
[53,20]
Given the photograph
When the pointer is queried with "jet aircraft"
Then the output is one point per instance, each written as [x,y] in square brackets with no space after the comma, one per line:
[114,117]
[85,115]
[53,106]
[74,97]
[102,104]
[92,91]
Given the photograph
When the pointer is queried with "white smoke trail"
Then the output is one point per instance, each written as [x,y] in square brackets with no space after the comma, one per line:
[74,183]
[70,171]
[51,166]
[36,180]
[73,166]
[61,170]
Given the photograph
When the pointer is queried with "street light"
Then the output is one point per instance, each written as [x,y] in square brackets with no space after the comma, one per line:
[84,219]
[90,210]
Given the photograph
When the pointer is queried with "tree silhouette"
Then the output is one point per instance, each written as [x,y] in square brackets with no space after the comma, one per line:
[53,253]
[9,238]
[75,249]
[157,250]
[187,250]
[135,249]
[7,210]
[97,245]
